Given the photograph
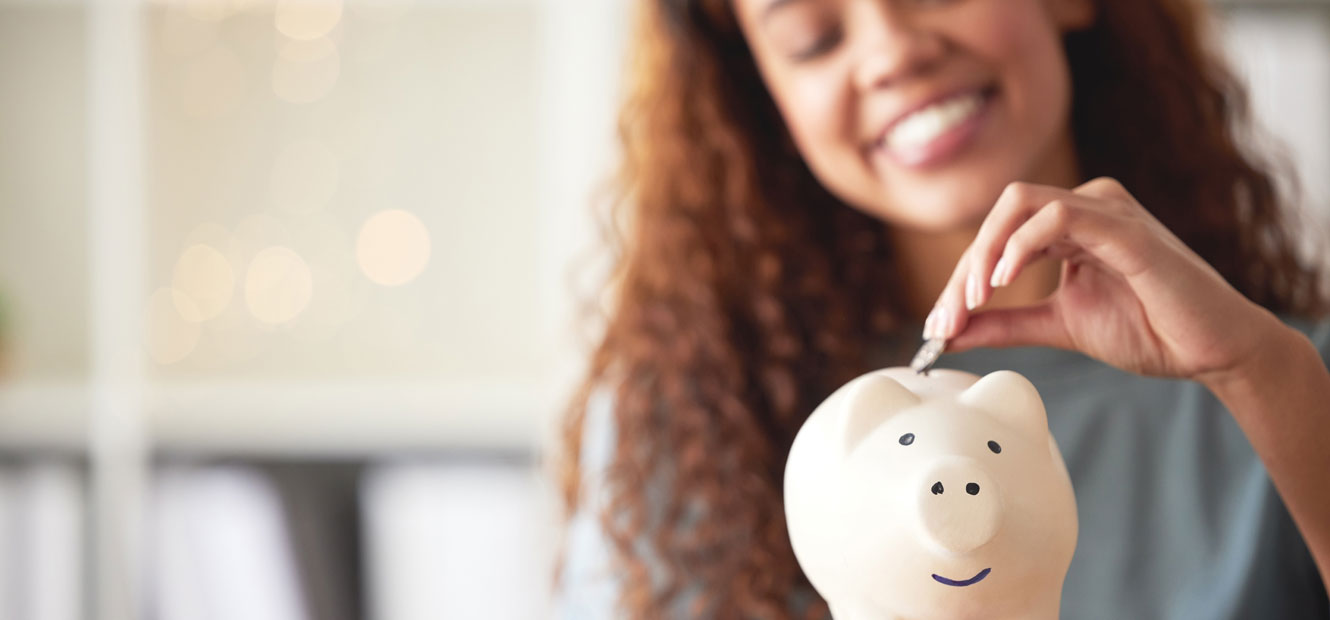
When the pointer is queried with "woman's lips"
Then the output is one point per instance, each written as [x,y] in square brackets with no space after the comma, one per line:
[944,145]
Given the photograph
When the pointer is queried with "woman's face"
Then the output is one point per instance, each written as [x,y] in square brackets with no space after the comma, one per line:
[921,111]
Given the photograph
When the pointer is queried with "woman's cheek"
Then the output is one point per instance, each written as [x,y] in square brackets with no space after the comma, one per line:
[822,118]
[1026,48]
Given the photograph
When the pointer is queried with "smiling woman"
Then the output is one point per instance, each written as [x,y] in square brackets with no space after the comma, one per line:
[807,180]
[920,112]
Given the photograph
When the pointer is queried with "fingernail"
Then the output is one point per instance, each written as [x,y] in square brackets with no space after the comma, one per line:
[971,291]
[930,323]
[999,273]
[942,328]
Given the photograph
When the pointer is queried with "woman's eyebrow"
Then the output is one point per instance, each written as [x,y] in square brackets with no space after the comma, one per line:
[773,6]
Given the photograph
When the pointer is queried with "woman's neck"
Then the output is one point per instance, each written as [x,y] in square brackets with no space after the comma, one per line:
[925,262]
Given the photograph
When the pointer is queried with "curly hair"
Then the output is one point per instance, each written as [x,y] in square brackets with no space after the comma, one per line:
[745,292]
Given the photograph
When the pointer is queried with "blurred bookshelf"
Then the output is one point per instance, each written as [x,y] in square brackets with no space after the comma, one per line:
[43,417]
[276,232]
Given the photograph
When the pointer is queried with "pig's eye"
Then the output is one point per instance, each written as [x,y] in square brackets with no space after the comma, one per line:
[907,439]
[993,445]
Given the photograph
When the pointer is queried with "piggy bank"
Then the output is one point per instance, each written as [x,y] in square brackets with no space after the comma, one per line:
[931,496]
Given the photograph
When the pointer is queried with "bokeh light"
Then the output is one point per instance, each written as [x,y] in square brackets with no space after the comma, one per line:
[303,20]
[278,285]
[204,278]
[304,177]
[170,338]
[305,71]
[393,247]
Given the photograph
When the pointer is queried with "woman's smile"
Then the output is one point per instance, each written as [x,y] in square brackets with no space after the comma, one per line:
[937,133]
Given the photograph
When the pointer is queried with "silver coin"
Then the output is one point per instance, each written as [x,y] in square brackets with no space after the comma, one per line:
[927,355]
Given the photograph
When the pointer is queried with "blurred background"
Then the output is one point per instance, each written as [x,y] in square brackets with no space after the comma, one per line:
[288,292]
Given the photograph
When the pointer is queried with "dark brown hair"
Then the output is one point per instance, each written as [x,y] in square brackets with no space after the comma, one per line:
[746,293]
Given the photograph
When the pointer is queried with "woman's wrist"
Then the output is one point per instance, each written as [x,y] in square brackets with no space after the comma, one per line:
[1278,354]
[1272,392]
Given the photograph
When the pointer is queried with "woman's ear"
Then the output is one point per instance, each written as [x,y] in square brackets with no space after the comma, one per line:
[1072,15]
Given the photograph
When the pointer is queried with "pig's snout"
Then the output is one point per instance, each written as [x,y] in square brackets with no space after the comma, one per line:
[959,505]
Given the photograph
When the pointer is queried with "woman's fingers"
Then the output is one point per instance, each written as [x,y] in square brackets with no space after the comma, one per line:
[1029,221]
[1016,205]
[969,286]
[1103,187]
[946,317]
[1062,229]
[1036,325]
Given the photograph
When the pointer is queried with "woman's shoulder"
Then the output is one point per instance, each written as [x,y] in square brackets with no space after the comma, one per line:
[588,586]
[598,429]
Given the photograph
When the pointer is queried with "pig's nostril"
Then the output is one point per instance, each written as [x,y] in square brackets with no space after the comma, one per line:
[972,488]
[937,488]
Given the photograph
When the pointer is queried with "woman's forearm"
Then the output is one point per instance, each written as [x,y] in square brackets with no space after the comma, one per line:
[1281,399]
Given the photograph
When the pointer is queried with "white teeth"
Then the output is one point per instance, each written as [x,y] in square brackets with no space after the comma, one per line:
[921,127]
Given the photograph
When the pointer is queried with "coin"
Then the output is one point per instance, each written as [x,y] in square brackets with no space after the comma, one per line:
[927,355]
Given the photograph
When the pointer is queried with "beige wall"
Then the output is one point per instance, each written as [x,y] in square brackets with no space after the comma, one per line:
[43,271]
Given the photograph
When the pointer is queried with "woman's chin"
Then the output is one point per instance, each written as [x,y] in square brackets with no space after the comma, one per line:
[934,218]
[957,197]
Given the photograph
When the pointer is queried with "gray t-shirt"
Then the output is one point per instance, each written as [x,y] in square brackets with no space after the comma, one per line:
[1178,518]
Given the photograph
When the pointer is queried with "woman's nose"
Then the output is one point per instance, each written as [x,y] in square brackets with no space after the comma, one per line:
[891,43]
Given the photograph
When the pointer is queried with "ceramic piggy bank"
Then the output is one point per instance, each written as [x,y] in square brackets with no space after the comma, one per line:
[938,496]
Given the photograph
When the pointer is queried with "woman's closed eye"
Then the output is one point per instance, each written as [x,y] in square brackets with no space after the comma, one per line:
[802,29]
[821,45]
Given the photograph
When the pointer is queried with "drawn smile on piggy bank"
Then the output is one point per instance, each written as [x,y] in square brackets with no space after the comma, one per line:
[963,582]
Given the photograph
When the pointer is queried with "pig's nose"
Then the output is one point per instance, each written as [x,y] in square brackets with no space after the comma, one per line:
[972,488]
[958,522]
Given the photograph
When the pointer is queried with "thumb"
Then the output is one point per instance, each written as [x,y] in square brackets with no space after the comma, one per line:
[1036,325]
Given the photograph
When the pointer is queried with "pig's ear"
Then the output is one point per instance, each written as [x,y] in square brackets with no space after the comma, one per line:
[871,401]
[1010,398]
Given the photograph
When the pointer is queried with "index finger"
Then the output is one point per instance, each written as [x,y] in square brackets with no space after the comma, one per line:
[1018,201]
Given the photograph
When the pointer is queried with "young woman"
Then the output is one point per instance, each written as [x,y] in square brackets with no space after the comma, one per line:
[1060,187]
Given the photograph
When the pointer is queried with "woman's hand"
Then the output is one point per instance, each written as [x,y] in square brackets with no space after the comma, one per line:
[1131,293]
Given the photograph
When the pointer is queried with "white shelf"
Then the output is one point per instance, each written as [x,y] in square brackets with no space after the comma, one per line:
[44,416]
[361,419]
